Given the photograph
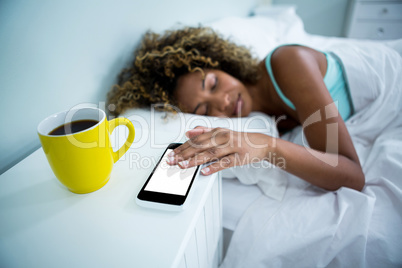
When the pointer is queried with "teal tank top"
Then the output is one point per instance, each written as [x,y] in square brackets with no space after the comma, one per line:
[334,81]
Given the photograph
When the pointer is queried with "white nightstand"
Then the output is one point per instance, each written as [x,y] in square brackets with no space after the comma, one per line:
[42,224]
[375,19]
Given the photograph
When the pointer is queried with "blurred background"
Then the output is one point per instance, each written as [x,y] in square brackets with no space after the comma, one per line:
[57,54]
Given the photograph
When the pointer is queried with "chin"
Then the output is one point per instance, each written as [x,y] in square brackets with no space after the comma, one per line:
[242,115]
[246,112]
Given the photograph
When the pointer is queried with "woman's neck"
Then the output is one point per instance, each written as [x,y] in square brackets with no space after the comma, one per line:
[263,94]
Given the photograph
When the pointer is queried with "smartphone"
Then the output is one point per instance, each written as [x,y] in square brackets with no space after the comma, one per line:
[167,187]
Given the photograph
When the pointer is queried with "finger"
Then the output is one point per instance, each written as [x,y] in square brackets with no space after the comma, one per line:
[207,141]
[207,156]
[187,149]
[195,141]
[223,163]
[197,131]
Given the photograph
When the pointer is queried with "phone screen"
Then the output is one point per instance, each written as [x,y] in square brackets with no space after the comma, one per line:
[170,179]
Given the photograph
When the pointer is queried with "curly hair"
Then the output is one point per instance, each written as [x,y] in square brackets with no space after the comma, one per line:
[161,59]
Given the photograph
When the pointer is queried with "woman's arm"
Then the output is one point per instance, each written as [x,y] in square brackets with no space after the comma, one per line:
[228,148]
[329,171]
[333,162]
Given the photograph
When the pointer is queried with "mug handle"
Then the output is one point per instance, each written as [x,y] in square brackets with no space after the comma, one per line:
[123,149]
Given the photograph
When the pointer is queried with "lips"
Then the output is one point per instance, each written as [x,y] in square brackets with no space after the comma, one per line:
[238,106]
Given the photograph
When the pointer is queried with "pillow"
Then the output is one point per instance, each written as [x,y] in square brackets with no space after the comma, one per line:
[267,29]
[161,129]
[166,128]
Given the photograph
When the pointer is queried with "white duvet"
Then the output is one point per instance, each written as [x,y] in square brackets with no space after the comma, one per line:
[311,227]
[314,228]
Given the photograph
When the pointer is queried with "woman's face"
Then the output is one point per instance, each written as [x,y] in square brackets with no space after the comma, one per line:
[219,94]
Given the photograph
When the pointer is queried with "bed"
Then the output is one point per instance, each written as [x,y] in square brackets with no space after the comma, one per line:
[282,221]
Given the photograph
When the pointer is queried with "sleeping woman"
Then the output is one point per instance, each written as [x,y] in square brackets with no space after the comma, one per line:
[200,72]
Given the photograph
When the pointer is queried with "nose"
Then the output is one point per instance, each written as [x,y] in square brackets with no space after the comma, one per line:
[221,102]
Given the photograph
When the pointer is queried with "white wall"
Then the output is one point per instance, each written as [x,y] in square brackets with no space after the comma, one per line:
[55,54]
[323,17]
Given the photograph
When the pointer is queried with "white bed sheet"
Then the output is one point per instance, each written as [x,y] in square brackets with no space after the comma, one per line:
[236,198]
[315,228]
[246,194]
[311,227]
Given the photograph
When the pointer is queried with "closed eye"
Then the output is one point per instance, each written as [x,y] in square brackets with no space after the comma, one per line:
[207,84]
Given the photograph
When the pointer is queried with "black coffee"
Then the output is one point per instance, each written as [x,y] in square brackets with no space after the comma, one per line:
[73,127]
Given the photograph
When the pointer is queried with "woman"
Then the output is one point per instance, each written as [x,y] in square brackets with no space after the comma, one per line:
[204,74]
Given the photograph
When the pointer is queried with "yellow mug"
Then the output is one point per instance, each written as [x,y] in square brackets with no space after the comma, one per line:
[82,159]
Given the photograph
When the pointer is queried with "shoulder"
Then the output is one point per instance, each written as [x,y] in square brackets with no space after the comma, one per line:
[287,50]
[294,66]
[291,57]
[299,73]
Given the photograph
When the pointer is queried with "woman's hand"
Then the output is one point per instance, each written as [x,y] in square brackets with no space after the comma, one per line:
[224,147]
